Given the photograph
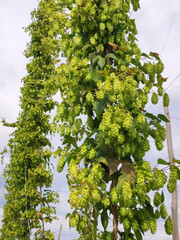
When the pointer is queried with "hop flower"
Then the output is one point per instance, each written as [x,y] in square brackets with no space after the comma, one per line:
[169,226]
[106,202]
[110,26]
[159,67]
[154,98]
[145,225]
[89,97]
[165,100]
[160,90]
[135,225]
[127,194]
[114,196]
[128,123]
[102,26]
[95,195]
[163,211]
[141,119]
[153,225]
[60,164]
[126,224]
[123,211]
[157,214]
[157,199]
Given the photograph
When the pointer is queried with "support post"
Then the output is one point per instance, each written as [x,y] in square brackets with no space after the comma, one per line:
[174,203]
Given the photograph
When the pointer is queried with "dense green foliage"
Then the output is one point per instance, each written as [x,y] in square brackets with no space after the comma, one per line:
[28,175]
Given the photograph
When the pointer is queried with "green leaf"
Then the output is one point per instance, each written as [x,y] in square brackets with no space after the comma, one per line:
[104,219]
[101,62]
[162,161]
[145,55]
[178,174]
[121,180]
[155,55]
[138,235]
[150,115]
[68,215]
[162,117]
[111,55]
[99,106]
[162,197]
[94,74]
[103,160]
[176,161]
[95,59]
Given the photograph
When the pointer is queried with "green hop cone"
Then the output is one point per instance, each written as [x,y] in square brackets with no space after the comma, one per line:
[145,225]
[135,225]
[126,224]
[165,100]
[60,164]
[114,196]
[157,214]
[154,98]
[169,226]
[153,225]
[123,212]
[171,186]
[163,211]
[157,199]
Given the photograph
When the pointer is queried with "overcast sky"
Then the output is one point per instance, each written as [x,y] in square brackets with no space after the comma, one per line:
[153,20]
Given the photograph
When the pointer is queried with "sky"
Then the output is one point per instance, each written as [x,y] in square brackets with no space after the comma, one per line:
[158,24]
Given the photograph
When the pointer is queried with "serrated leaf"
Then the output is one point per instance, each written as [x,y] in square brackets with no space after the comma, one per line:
[150,115]
[95,59]
[104,219]
[101,62]
[162,161]
[111,55]
[162,117]
[121,180]
[145,55]
[138,235]
[162,197]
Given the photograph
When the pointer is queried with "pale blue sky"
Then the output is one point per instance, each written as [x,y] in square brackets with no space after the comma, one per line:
[153,22]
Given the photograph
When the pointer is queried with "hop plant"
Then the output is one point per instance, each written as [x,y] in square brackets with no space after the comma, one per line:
[165,100]
[169,226]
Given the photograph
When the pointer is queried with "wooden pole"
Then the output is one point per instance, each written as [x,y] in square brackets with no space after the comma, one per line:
[174,203]
[59,235]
